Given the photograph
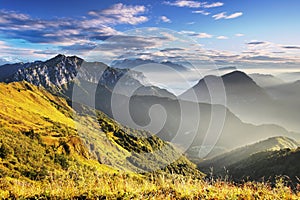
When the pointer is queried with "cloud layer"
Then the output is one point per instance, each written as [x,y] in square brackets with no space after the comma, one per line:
[223,15]
[96,25]
[193,4]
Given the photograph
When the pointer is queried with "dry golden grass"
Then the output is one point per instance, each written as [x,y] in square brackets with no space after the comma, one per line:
[110,185]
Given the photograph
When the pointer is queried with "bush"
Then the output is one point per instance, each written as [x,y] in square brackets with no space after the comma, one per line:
[62,160]
[4,151]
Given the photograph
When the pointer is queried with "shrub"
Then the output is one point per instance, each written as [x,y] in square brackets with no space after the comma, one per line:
[4,151]
[62,160]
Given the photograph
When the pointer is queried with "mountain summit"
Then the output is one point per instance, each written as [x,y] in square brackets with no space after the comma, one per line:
[237,86]
[61,71]
[52,73]
[235,90]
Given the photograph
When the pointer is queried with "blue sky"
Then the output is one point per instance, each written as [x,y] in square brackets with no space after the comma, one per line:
[230,31]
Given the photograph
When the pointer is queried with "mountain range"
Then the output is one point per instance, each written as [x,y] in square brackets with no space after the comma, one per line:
[266,80]
[65,75]
[66,116]
[132,63]
[246,99]
[264,159]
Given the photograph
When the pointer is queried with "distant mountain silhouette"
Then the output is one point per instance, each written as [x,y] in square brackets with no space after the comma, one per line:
[224,161]
[250,102]
[266,80]
[261,161]
[289,76]
[237,85]
[286,92]
[131,63]
[234,133]
[236,90]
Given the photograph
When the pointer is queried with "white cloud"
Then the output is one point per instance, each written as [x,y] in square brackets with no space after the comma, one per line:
[184,3]
[187,32]
[239,35]
[223,15]
[198,35]
[165,19]
[203,35]
[213,5]
[219,16]
[222,37]
[193,4]
[203,12]
[234,15]
[121,14]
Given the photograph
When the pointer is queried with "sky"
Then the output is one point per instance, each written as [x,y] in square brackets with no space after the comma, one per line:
[249,34]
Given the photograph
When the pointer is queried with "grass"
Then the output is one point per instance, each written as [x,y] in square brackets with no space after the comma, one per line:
[80,184]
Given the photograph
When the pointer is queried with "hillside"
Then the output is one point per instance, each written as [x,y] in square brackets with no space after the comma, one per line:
[39,138]
[177,124]
[224,161]
[266,165]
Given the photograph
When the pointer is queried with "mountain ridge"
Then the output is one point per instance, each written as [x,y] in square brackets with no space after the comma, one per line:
[261,161]
[56,73]
[132,63]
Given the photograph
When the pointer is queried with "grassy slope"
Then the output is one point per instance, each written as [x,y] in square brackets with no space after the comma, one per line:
[249,161]
[39,138]
[284,162]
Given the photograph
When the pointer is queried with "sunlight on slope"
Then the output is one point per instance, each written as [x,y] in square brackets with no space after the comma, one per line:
[25,107]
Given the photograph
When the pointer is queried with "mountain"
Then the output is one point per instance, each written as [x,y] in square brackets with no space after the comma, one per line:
[289,92]
[7,70]
[289,76]
[37,127]
[267,165]
[238,87]
[224,161]
[85,90]
[166,116]
[173,115]
[181,124]
[250,102]
[59,72]
[3,61]
[266,80]
[286,97]
[131,63]
[236,90]
[51,73]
